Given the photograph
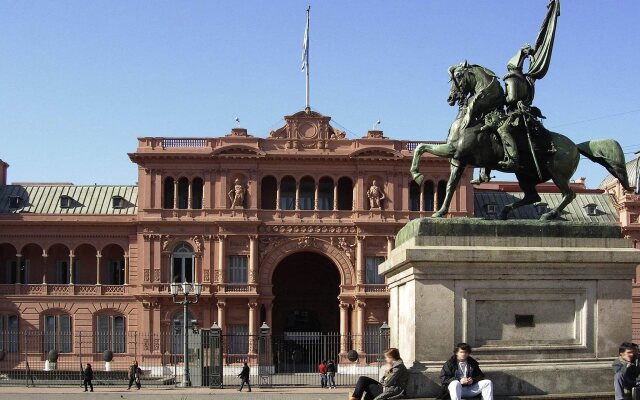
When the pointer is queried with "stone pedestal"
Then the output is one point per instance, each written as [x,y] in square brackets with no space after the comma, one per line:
[544,305]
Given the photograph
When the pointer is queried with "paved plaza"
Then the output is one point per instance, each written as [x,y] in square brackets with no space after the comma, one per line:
[69,393]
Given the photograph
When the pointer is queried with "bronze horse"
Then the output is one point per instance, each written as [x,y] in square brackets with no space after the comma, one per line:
[474,88]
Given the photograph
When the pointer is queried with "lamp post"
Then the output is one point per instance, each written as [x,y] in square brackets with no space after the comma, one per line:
[187,288]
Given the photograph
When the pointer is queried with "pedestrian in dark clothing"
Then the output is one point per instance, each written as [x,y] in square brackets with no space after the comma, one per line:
[331,374]
[322,370]
[462,378]
[244,377]
[134,375]
[393,383]
[625,369]
[87,376]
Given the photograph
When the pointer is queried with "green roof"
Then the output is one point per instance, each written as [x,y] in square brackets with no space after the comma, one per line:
[575,211]
[85,199]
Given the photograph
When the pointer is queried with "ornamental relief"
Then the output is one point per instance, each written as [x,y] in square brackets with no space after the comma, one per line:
[306,229]
[343,244]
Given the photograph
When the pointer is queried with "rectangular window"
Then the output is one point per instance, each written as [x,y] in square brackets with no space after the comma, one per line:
[238,339]
[238,269]
[116,272]
[110,334]
[372,276]
[57,333]
[9,333]
[182,269]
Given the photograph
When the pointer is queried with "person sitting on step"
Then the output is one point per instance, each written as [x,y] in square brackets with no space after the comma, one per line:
[393,385]
[462,377]
[625,369]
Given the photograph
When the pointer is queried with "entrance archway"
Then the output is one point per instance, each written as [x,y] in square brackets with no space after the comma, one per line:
[306,286]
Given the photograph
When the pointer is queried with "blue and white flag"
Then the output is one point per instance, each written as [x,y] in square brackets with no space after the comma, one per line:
[305,44]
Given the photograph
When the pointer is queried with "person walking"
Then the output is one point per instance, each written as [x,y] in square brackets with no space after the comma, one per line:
[87,376]
[322,370]
[134,375]
[244,377]
[331,374]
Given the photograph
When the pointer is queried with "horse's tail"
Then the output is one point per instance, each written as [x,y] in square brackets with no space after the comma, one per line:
[609,154]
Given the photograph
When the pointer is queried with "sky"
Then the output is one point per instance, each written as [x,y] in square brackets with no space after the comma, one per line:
[81,80]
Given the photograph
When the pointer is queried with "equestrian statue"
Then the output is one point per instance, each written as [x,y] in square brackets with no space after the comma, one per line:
[501,129]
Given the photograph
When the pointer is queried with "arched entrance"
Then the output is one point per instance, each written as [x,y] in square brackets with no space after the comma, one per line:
[306,286]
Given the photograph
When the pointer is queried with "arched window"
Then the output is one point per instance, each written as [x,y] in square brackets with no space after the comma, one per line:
[183,193]
[414,196]
[110,333]
[57,332]
[345,193]
[442,191]
[182,263]
[288,193]
[196,193]
[168,193]
[9,332]
[325,193]
[177,331]
[428,192]
[307,193]
[268,193]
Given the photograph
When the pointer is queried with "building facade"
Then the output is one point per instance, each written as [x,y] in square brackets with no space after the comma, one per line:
[286,230]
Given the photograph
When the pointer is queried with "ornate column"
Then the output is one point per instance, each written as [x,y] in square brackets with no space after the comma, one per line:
[18,267]
[360,310]
[126,268]
[98,257]
[297,195]
[175,194]
[71,267]
[44,266]
[391,242]
[190,196]
[315,197]
[359,259]
[220,278]
[221,315]
[335,196]
[253,313]
[277,197]
[253,259]
[421,187]
[344,327]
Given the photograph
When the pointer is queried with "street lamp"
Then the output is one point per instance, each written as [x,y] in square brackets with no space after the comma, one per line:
[187,288]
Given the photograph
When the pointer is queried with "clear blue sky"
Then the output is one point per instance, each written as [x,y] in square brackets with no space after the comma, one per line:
[80,80]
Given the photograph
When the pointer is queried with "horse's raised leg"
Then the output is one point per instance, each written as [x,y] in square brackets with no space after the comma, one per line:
[440,150]
[454,179]
[530,196]
[562,182]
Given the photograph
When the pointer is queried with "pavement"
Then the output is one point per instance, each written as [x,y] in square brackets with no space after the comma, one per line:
[108,393]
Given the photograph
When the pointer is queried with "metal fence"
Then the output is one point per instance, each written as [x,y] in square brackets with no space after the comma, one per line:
[35,358]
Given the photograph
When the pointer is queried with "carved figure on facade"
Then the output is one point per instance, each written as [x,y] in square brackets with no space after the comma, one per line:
[345,247]
[375,195]
[237,195]
[306,241]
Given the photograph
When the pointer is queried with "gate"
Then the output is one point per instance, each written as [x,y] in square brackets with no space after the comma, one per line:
[292,359]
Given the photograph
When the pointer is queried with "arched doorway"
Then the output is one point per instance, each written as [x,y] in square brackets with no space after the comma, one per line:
[306,286]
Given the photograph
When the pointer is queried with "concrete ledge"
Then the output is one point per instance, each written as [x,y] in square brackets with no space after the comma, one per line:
[511,228]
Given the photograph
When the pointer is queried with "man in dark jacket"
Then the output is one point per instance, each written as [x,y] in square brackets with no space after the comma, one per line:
[393,384]
[244,377]
[625,369]
[462,377]
[88,377]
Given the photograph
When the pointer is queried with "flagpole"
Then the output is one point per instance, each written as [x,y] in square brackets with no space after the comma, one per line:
[307,107]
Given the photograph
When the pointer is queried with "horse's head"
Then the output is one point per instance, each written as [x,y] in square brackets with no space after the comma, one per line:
[461,83]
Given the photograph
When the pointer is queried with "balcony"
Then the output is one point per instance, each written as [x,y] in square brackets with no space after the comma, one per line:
[375,288]
[237,289]
[64,290]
